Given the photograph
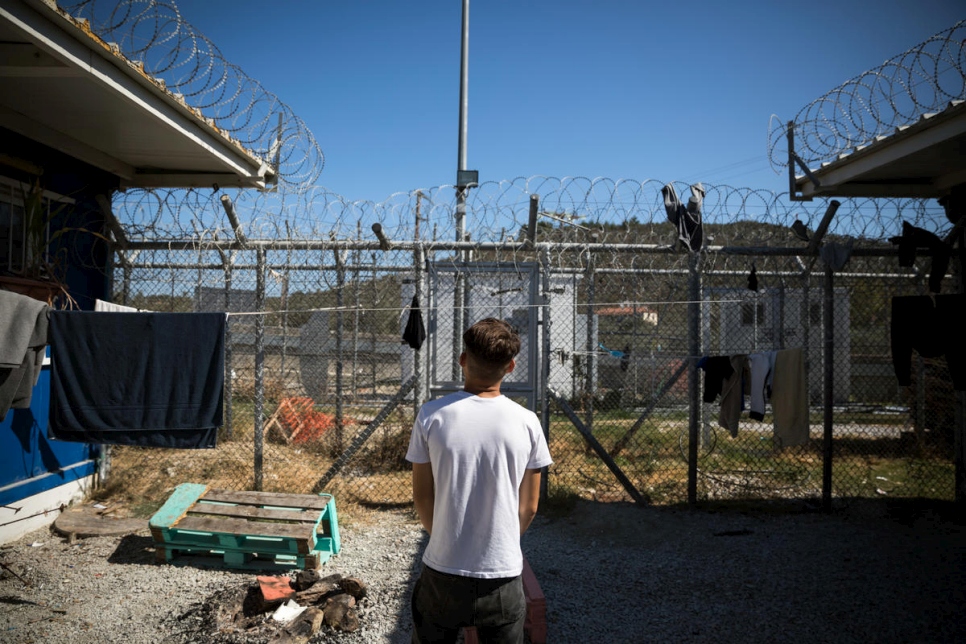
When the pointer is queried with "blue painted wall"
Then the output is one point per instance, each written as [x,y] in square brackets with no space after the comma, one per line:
[29,463]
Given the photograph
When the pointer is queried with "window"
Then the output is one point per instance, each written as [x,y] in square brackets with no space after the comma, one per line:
[12,233]
[752,313]
[815,314]
[17,251]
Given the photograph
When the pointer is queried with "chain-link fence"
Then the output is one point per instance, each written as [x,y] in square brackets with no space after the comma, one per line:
[616,316]
[321,391]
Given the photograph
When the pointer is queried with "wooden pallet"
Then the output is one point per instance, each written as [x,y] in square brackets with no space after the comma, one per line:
[236,560]
[242,528]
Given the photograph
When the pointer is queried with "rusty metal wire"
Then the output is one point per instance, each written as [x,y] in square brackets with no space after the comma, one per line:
[192,68]
[924,79]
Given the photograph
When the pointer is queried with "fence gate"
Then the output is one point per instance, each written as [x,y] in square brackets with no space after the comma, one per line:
[462,293]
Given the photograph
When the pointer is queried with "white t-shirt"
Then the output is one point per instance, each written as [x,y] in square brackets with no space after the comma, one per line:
[479,449]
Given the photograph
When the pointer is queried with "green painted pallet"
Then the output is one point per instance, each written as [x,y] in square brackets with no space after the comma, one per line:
[240,526]
[239,560]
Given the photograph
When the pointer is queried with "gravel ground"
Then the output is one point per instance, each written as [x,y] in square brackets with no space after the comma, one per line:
[883,572]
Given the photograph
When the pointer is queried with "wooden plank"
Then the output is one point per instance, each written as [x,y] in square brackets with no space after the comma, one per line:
[249,512]
[177,505]
[273,423]
[84,521]
[300,532]
[274,499]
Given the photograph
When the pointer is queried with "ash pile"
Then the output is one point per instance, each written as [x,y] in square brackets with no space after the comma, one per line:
[278,609]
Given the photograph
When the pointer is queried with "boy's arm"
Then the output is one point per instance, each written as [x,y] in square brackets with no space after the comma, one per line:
[529,498]
[424,494]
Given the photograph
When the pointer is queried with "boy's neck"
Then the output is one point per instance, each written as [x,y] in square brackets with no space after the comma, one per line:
[482,389]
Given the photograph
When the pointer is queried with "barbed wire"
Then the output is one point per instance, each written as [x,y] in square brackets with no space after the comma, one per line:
[924,79]
[155,34]
[574,208]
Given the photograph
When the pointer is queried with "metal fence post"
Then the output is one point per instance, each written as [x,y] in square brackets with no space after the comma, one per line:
[828,375]
[259,365]
[591,381]
[126,269]
[339,319]
[545,364]
[959,430]
[283,303]
[226,261]
[419,259]
[919,420]
[694,392]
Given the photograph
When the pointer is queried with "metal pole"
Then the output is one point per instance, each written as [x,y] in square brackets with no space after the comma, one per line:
[828,374]
[545,365]
[458,297]
[918,421]
[126,283]
[805,326]
[959,446]
[372,327]
[706,418]
[226,261]
[959,435]
[591,346]
[357,254]
[694,391]
[259,366]
[458,314]
[532,221]
[339,319]
[419,259]
[464,90]
[284,304]
[419,199]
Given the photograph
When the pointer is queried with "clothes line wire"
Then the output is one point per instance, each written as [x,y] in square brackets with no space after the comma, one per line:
[453,308]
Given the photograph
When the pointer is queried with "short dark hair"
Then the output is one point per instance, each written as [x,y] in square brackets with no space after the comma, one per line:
[492,342]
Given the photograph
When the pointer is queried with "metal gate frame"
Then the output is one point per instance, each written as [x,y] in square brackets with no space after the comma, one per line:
[463,272]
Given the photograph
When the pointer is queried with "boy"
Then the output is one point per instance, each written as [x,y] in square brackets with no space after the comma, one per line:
[476,459]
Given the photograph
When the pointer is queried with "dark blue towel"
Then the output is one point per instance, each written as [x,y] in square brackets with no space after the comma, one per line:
[145,379]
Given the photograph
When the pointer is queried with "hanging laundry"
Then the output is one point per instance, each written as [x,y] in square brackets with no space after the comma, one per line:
[762,367]
[163,385]
[23,329]
[687,219]
[415,333]
[753,279]
[613,352]
[912,239]
[717,369]
[733,393]
[110,307]
[836,254]
[789,398]
[800,230]
[931,329]
[626,358]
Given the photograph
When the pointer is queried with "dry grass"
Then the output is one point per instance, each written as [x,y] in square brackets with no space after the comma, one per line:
[378,476]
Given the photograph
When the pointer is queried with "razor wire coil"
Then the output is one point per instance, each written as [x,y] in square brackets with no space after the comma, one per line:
[153,34]
[925,79]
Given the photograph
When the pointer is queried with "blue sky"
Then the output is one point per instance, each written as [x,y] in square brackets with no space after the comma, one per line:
[673,91]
